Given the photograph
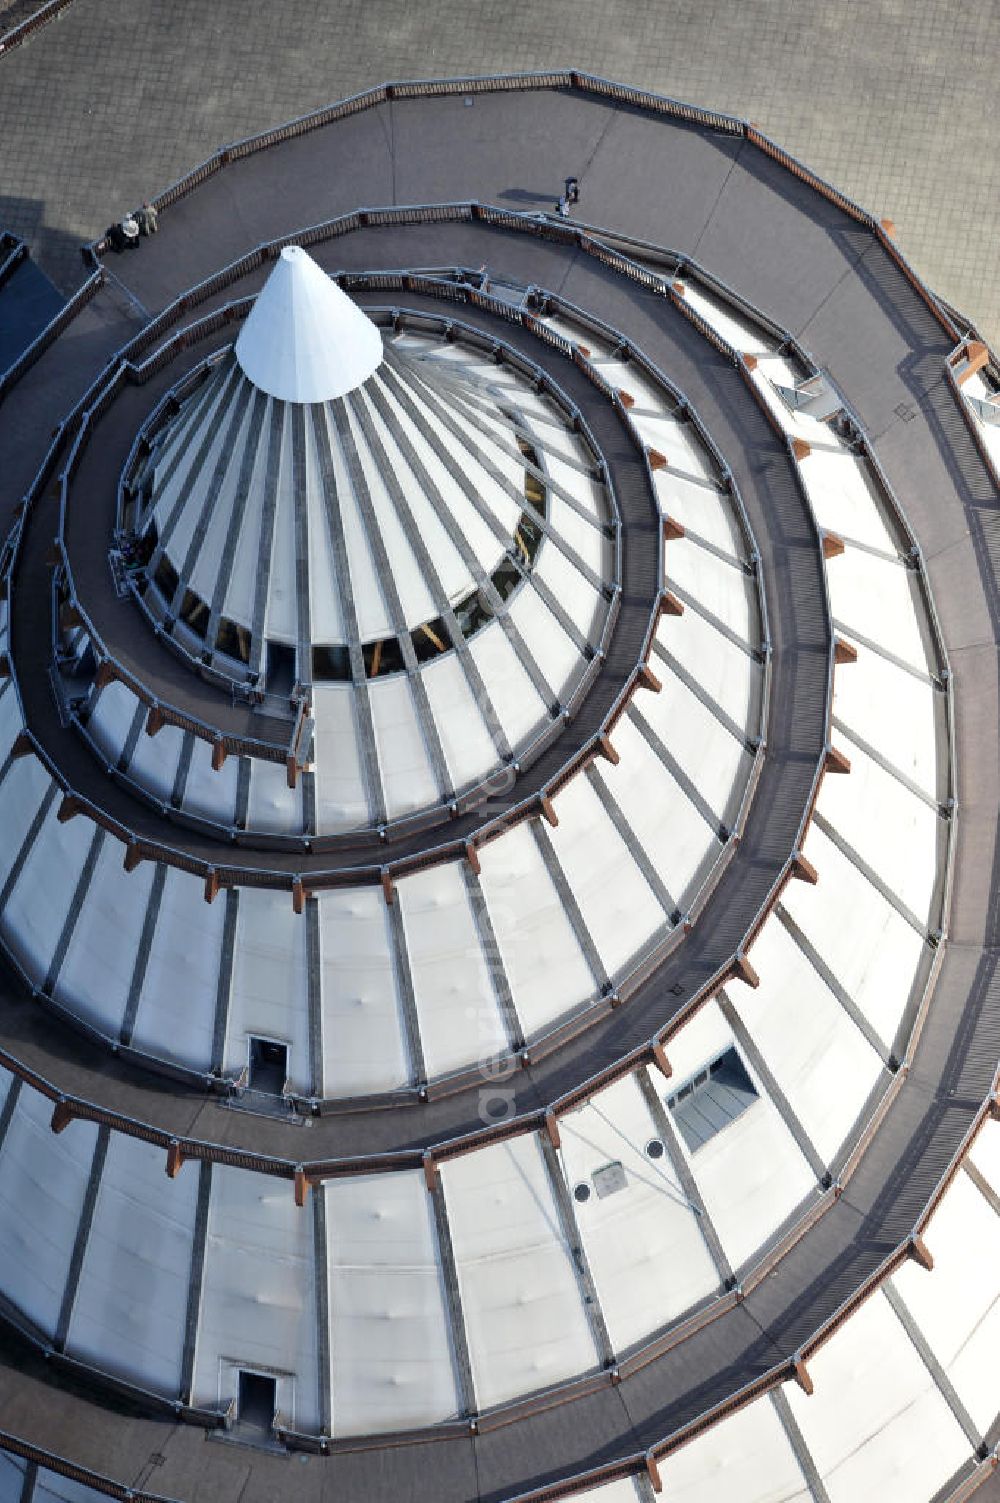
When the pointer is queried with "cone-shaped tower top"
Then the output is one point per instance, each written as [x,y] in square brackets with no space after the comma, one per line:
[305,340]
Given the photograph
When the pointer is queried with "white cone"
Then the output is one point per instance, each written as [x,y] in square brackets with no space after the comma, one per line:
[305,340]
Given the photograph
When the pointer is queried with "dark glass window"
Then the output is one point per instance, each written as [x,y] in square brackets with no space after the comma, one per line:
[712,1099]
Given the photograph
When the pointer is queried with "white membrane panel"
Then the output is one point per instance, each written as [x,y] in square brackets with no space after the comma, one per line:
[272,805]
[974,387]
[207,792]
[268,998]
[204,568]
[363,1043]
[843,496]
[739,331]
[715,761]
[869,947]
[415,598]
[588,492]
[823,1063]
[111,718]
[389,1339]
[881,601]
[407,775]
[21,794]
[258,1306]
[469,750]
[644,1247]
[619,908]
[131,1303]
[545,966]
[370,602]
[524,1314]
[675,836]
[679,443]
[456,1004]
[878,1429]
[894,832]
[281,613]
[97,971]
[453,492]
[700,508]
[204,427]
[719,587]
[43,1182]
[624,1490]
[36,909]
[155,760]
[238,601]
[11,1478]
[957,1304]
[578,598]
[555,653]
[455,577]
[896,713]
[11,720]
[985,1154]
[519,706]
[192,497]
[341,796]
[746,1458]
[176,1016]
[727,673]
[751,1175]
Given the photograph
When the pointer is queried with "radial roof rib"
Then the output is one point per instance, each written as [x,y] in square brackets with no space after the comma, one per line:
[431,489]
[619,819]
[195,1282]
[249,470]
[431,436]
[685,1179]
[386,576]
[224,989]
[217,488]
[82,1238]
[453,393]
[172,497]
[362,697]
[183,450]
[445,415]
[359,410]
[301,560]
[265,551]
[571,1235]
[476,393]
[75,908]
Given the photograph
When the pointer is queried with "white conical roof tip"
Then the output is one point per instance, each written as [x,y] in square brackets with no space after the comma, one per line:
[304,339]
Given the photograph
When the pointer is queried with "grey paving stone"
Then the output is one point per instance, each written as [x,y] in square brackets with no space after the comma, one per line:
[891,101]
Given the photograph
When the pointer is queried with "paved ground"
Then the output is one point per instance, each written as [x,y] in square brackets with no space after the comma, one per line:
[891,99]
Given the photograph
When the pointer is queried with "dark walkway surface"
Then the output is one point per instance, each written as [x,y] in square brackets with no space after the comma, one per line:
[791,569]
[28,300]
[825,279]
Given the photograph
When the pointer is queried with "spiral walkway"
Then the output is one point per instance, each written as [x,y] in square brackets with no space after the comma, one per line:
[514,842]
